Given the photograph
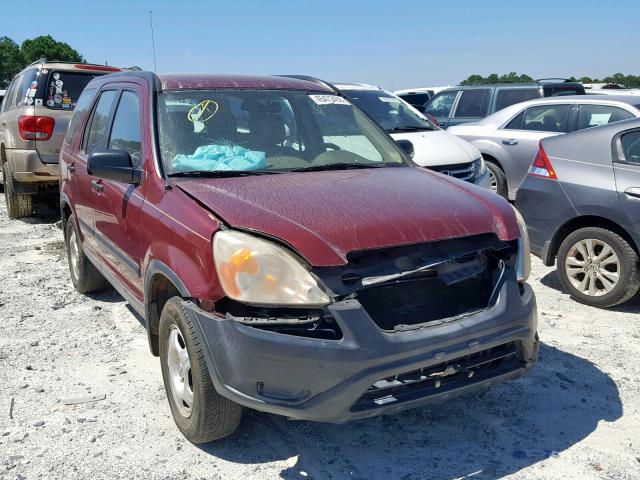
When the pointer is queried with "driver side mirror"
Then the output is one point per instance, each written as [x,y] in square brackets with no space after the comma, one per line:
[406,146]
[115,165]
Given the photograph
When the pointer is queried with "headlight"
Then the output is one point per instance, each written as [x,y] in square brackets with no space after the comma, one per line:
[256,271]
[524,251]
[479,167]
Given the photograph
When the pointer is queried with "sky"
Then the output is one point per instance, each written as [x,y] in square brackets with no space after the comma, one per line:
[391,44]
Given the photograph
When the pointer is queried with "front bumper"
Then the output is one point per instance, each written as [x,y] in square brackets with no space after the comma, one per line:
[28,168]
[322,380]
[484,180]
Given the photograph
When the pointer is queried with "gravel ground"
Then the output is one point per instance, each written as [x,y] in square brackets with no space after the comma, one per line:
[576,415]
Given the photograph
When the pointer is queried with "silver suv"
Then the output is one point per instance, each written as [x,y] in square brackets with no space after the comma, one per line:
[34,116]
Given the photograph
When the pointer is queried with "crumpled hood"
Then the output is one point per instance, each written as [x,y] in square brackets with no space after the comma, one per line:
[438,148]
[325,215]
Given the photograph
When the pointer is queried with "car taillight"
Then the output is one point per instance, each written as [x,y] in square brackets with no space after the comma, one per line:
[33,127]
[541,166]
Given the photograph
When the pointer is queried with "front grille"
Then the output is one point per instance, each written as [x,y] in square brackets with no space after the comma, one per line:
[463,171]
[441,378]
[425,299]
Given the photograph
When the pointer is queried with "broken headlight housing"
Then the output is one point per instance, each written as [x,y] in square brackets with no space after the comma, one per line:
[524,250]
[258,272]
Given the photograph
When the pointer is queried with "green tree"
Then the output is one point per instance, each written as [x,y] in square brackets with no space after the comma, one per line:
[11,60]
[45,46]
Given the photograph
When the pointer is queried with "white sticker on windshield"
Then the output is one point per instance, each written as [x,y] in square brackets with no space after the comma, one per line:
[328,100]
[389,99]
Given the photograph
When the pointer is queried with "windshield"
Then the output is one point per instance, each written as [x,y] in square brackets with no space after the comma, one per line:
[390,112]
[62,89]
[267,131]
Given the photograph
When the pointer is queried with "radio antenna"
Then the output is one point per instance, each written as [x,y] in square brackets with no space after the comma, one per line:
[153,42]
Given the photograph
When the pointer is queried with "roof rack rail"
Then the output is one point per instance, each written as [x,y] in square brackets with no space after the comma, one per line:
[308,78]
[551,79]
[46,60]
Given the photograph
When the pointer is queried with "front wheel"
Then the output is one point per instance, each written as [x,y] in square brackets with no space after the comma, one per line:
[200,412]
[598,267]
[498,179]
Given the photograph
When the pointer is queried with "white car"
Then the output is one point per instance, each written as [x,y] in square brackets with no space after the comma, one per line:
[509,138]
[433,147]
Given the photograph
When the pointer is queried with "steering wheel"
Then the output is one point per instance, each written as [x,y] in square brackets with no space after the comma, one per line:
[332,146]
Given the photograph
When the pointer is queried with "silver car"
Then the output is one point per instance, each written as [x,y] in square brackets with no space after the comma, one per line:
[35,112]
[509,139]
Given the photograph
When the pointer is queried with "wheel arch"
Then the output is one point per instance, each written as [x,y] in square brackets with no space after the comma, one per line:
[584,221]
[160,284]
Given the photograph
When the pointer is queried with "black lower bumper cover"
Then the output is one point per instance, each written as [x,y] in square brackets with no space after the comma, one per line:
[369,372]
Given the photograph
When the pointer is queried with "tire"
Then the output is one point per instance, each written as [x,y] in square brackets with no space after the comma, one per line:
[210,416]
[85,277]
[612,279]
[18,206]
[498,179]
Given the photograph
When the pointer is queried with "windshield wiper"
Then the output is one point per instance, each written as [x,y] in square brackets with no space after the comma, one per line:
[221,173]
[335,166]
[408,128]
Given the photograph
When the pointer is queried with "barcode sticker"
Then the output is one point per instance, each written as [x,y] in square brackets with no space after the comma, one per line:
[328,100]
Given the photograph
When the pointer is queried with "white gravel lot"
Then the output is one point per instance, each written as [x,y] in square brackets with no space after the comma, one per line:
[576,415]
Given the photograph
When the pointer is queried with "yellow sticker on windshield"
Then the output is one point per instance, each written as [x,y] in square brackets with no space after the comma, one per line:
[201,113]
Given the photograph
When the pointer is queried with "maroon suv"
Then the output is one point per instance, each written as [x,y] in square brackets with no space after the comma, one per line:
[286,254]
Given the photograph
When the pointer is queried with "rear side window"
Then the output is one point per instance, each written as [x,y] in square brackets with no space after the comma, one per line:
[546,118]
[473,103]
[441,104]
[125,132]
[84,102]
[64,88]
[8,97]
[97,130]
[27,88]
[596,115]
[511,96]
[415,98]
[559,90]
[631,147]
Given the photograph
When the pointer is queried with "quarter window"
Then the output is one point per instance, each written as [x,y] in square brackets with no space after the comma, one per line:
[97,133]
[27,88]
[596,115]
[84,102]
[473,103]
[440,105]
[631,147]
[125,133]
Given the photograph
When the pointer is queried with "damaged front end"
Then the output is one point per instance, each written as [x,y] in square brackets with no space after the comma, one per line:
[407,326]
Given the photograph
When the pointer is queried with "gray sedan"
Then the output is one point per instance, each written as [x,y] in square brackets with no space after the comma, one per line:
[581,204]
[508,139]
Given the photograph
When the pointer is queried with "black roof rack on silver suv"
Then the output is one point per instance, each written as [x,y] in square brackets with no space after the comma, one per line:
[308,78]
[552,79]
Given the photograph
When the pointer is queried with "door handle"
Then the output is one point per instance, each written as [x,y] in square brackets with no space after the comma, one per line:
[97,186]
[4,124]
[633,192]
[72,168]
[510,141]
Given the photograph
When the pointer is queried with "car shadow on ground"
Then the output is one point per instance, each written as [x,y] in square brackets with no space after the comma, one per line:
[500,432]
[552,280]
[43,214]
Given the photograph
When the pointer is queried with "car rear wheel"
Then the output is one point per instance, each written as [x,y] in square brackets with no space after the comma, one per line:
[598,267]
[18,206]
[200,412]
[498,179]
[85,277]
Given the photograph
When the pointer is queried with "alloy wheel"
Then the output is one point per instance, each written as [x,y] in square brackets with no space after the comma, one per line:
[179,367]
[74,254]
[493,181]
[593,267]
